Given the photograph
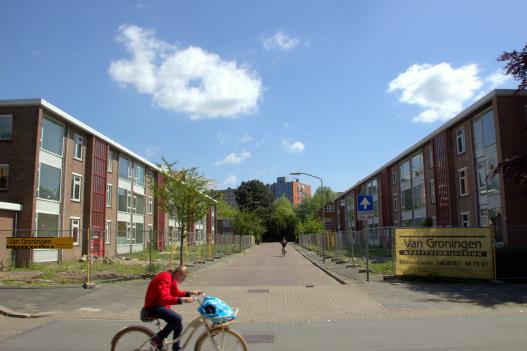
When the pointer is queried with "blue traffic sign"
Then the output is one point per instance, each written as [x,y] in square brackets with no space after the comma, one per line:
[364,203]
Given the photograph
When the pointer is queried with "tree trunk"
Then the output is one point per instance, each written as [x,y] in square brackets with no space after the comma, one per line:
[181,245]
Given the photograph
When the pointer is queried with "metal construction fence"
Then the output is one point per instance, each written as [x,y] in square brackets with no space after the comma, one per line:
[147,245]
[372,244]
[374,247]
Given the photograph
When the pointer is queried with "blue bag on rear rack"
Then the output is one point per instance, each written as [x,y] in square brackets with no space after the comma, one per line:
[216,310]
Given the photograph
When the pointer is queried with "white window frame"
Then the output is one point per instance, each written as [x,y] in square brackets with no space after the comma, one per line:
[394,177]
[11,134]
[42,135]
[463,180]
[73,184]
[150,205]
[5,166]
[79,141]
[432,191]
[108,233]
[395,196]
[460,137]
[110,161]
[78,227]
[109,195]
[465,223]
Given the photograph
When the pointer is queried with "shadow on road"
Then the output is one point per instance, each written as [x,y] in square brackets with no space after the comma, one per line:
[481,294]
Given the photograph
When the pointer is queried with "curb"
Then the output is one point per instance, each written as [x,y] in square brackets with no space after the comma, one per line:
[329,272]
[10,313]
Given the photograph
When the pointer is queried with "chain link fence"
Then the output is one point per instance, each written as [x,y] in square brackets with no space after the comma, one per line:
[373,249]
[149,246]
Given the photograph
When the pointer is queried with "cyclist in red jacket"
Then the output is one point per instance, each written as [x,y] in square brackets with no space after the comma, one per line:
[162,292]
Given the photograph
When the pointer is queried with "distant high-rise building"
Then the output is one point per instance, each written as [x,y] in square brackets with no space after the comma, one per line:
[293,190]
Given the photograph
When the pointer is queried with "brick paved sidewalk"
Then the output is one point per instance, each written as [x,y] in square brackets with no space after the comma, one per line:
[423,297]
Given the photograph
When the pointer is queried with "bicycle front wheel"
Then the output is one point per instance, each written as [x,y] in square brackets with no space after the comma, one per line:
[220,339]
[134,338]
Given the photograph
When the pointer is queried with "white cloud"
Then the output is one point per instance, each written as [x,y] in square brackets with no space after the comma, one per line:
[190,81]
[294,148]
[230,180]
[233,159]
[439,89]
[152,151]
[246,138]
[280,41]
[497,79]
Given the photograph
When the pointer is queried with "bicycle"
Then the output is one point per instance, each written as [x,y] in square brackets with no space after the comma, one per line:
[215,337]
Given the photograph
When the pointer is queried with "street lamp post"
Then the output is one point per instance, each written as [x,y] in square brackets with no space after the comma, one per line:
[322,217]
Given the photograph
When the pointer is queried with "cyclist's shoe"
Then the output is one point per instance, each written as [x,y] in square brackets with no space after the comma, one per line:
[158,344]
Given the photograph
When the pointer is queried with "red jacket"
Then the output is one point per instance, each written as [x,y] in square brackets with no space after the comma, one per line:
[163,291]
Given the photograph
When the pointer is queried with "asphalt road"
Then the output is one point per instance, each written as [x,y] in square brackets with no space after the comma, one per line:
[459,333]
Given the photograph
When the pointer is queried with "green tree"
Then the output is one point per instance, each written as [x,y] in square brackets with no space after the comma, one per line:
[309,208]
[248,223]
[183,194]
[225,211]
[254,196]
[309,226]
[282,219]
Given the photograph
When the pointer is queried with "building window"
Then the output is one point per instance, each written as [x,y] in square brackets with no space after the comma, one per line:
[394,177]
[139,174]
[110,161]
[432,191]
[47,225]
[404,172]
[406,200]
[417,165]
[123,230]
[394,199]
[329,208]
[109,189]
[125,169]
[4,177]
[460,140]
[430,156]
[75,225]
[108,232]
[419,196]
[52,136]
[484,132]
[6,127]
[465,219]
[49,182]
[463,184]
[150,205]
[492,180]
[79,141]
[139,204]
[76,188]
[123,202]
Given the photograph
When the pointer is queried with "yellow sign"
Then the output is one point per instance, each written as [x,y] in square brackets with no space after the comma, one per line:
[447,252]
[39,243]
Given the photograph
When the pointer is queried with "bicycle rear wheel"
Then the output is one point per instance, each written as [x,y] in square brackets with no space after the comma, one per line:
[220,339]
[133,338]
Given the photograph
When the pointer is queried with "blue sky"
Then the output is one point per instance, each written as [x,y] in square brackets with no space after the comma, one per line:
[258,89]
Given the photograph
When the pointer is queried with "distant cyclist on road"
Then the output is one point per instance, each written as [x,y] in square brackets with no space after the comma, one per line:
[284,244]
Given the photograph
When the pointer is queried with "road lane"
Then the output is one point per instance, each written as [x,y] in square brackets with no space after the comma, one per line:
[264,265]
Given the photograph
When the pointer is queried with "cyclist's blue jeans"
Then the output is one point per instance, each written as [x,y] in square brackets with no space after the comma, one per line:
[174,323]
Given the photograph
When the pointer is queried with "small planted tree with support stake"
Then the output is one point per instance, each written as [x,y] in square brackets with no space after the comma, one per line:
[184,195]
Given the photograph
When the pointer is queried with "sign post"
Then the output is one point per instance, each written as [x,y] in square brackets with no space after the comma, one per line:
[364,212]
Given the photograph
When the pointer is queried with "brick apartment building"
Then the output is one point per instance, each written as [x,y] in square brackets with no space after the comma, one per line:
[444,180]
[60,177]
[293,190]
